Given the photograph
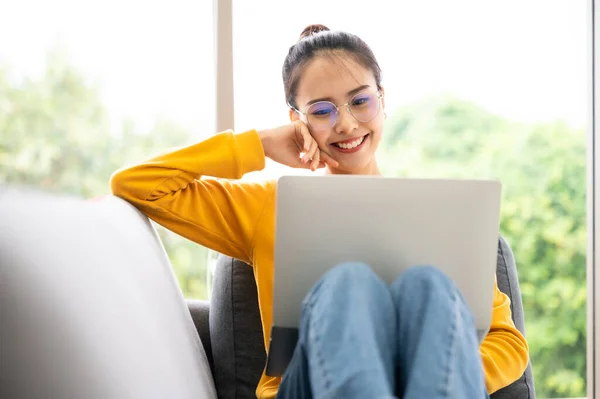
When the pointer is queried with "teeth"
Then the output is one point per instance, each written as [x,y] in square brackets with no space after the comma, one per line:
[353,144]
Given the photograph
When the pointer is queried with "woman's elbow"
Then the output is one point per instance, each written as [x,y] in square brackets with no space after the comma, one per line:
[118,185]
[126,185]
[520,352]
[523,351]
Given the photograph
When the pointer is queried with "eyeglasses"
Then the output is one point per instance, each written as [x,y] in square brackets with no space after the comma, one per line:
[322,115]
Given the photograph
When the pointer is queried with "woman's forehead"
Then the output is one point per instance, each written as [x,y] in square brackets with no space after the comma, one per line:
[332,77]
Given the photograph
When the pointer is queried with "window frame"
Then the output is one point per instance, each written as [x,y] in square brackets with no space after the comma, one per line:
[223,51]
[593,203]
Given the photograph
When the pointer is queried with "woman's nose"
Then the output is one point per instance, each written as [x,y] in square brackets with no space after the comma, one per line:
[346,123]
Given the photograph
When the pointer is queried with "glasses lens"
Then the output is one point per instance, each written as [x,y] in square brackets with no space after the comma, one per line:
[321,115]
[365,106]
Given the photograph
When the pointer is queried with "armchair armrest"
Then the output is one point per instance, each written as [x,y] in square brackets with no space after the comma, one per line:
[200,310]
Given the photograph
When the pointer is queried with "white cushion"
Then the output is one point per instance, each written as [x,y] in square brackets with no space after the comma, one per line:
[89,305]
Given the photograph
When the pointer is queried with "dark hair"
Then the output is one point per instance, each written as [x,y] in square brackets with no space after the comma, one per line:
[316,40]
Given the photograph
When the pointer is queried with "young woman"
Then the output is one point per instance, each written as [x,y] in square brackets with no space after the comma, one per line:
[359,338]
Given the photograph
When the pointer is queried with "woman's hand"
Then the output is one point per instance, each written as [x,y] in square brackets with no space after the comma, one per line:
[292,145]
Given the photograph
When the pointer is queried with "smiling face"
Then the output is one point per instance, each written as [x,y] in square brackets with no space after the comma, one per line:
[341,80]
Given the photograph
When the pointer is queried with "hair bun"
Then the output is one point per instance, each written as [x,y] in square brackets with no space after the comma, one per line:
[312,30]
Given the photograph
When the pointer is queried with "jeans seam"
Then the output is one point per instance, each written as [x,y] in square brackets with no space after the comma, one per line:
[452,347]
[320,358]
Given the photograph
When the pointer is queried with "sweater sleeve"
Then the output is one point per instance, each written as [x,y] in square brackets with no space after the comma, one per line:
[504,350]
[191,191]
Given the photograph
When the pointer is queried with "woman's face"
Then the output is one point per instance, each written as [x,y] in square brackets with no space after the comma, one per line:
[350,141]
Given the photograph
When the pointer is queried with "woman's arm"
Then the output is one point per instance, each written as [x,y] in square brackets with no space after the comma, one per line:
[176,190]
[504,350]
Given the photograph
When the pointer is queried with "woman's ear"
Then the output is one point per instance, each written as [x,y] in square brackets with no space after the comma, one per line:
[382,98]
[293,116]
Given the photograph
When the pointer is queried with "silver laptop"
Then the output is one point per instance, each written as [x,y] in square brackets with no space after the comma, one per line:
[390,224]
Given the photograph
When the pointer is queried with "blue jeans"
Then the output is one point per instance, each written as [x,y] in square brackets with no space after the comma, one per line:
[360,338]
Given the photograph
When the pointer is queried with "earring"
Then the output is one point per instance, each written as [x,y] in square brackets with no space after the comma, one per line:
[384,115]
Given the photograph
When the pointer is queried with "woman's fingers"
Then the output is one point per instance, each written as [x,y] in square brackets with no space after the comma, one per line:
[310,154]
[328,160]
[307,139]
[313,157]
[315,160]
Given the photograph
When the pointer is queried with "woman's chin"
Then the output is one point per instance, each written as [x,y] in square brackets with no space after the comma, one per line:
[367,167]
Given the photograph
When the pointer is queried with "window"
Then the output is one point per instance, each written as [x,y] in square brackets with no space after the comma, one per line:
[473,89]
[87,87]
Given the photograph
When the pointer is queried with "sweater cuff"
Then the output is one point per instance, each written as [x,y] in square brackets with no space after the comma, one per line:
[250,152]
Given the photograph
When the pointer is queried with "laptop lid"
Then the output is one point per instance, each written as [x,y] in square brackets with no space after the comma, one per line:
[390,224]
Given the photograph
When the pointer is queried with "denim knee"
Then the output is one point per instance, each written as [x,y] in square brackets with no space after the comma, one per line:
[422,280]
[350,274]
[349,280]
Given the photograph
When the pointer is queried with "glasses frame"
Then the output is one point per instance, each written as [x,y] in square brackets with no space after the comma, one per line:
[304,116]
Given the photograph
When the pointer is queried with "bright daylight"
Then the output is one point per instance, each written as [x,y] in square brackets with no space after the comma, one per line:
[148,250]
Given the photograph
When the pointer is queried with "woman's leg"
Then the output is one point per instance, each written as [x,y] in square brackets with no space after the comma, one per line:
[347,341]
[438,347]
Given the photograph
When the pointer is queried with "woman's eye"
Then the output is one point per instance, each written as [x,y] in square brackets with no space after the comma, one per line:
[321,112]
[360,101]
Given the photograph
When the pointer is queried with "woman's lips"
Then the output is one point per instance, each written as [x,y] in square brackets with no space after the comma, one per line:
[350,145]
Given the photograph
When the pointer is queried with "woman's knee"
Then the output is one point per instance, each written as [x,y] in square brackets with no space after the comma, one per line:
[350,281]
[422,281]
[352,289]
[349,274]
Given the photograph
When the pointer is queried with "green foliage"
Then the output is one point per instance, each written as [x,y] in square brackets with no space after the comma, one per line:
[543,171]
[55,135]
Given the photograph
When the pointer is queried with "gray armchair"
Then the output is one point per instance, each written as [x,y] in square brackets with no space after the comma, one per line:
[90,308]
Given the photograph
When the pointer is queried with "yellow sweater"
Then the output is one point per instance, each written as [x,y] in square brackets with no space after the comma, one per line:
[237,219]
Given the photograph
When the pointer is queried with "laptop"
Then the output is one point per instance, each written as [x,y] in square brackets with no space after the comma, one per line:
[390,224]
